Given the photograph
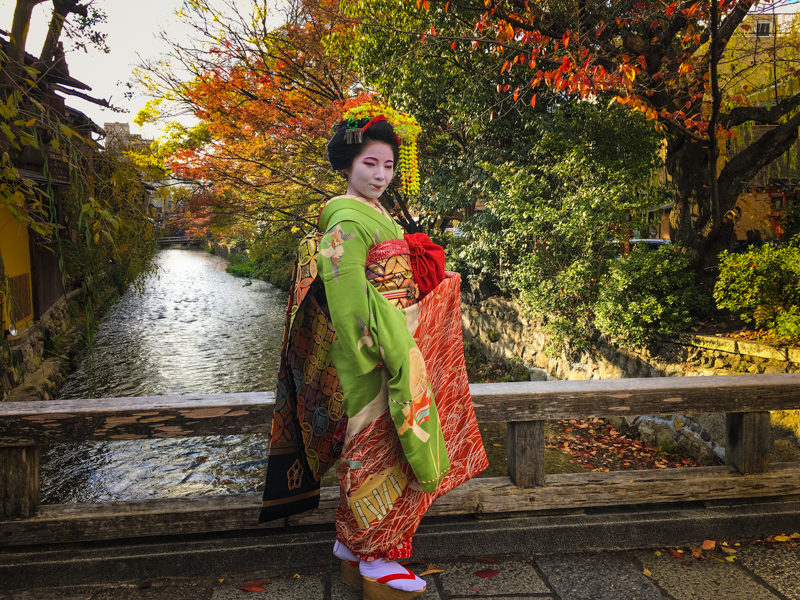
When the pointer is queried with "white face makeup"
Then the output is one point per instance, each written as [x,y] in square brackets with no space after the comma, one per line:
[371,172]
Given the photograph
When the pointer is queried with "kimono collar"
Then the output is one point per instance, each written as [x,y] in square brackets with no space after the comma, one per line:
[335,205]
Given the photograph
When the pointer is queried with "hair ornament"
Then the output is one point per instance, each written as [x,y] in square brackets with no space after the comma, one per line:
[406,131]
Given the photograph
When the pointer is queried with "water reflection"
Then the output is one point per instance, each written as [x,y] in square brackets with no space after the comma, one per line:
[196,329]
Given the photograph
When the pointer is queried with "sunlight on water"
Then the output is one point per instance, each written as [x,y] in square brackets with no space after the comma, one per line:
[196,329]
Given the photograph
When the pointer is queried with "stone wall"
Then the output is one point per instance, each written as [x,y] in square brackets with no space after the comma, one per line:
[34,364]
[499,328]
[26,362]
[225,250]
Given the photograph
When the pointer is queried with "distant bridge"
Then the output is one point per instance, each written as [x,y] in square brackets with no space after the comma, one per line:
[177,239]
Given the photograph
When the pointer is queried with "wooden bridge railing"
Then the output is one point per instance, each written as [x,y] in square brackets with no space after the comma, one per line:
[524,406]
[177,239]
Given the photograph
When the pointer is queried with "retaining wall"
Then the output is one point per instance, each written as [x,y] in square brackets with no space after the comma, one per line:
[499,328]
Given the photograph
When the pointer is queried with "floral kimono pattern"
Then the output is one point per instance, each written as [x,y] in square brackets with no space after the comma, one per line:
[405,425]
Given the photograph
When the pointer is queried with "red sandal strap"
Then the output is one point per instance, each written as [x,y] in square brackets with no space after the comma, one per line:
[407,575]
[353,563]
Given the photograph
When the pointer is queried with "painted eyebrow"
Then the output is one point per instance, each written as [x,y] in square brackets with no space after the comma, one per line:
[376,160]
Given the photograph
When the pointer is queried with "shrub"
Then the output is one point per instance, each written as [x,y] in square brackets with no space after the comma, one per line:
[648,293]
[240,266]
[273,254]
[787,324]
[762,286]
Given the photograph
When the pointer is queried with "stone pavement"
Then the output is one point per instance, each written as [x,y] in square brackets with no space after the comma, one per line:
[756,573]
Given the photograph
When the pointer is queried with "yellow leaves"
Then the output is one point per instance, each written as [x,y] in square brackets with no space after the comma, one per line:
[629,72]
[431,570]
[66,131]
[782,538]
[647,571]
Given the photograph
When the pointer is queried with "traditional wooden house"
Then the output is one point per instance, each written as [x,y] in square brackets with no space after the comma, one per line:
[29,262]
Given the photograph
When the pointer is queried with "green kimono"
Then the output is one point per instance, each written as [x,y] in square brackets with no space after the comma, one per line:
[373,341]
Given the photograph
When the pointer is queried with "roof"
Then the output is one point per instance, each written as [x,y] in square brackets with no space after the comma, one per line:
[59,73]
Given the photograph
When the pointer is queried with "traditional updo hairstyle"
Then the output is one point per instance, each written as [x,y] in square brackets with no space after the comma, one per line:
[341,153]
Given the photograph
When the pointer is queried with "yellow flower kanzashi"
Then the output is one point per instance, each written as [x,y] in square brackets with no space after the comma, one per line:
[407,131]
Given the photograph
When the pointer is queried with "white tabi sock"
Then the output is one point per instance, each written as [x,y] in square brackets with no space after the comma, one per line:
[341,552]
[375,569]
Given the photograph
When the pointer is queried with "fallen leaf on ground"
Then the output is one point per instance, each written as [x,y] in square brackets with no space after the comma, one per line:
[647,572]
[431,572]
[675,553]
[145,585]
[255,586]
[795,536]
[782,538]
[296,575]
[487,560]
[709,545]
[486,573]
[686,563]
[221,580]
[658,553]
[727,550]
[730,558]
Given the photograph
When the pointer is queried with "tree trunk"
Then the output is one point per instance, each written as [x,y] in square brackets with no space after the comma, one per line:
[691,221]
[19,34]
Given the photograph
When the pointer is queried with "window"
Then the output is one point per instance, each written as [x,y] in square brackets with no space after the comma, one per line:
[762,28]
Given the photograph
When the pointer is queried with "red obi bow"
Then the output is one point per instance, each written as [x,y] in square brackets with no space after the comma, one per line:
[427,262]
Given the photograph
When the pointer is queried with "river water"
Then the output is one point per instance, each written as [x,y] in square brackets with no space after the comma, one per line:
[196,329]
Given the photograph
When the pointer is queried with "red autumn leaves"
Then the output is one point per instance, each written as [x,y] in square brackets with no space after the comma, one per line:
[597,446]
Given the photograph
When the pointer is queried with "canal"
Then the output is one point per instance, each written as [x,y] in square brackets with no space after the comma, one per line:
[195,330]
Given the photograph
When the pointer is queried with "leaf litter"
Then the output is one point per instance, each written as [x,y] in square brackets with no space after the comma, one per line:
[708,549]
[255,586]
[595,445]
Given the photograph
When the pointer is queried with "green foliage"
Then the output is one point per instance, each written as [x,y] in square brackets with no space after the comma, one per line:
[762,286]
[787,324]
[577,181]
[648,293]
[240,266]
[274,255]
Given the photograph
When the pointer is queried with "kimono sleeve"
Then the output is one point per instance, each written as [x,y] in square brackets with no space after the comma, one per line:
[370,330]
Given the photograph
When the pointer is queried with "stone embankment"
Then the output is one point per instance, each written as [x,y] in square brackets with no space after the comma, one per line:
[36,362]
[500,329]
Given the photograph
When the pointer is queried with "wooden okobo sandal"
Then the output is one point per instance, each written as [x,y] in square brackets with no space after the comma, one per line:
[376,589]
[351,575]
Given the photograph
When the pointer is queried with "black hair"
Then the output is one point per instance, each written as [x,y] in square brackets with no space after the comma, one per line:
[341,154]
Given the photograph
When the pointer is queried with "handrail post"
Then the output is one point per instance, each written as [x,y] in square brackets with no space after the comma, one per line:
[19,481]
[747,441]
[525,452]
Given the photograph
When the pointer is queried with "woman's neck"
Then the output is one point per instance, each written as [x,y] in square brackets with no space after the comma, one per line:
[374,204]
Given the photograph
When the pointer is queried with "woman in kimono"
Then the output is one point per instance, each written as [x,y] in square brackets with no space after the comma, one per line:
[370,370]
